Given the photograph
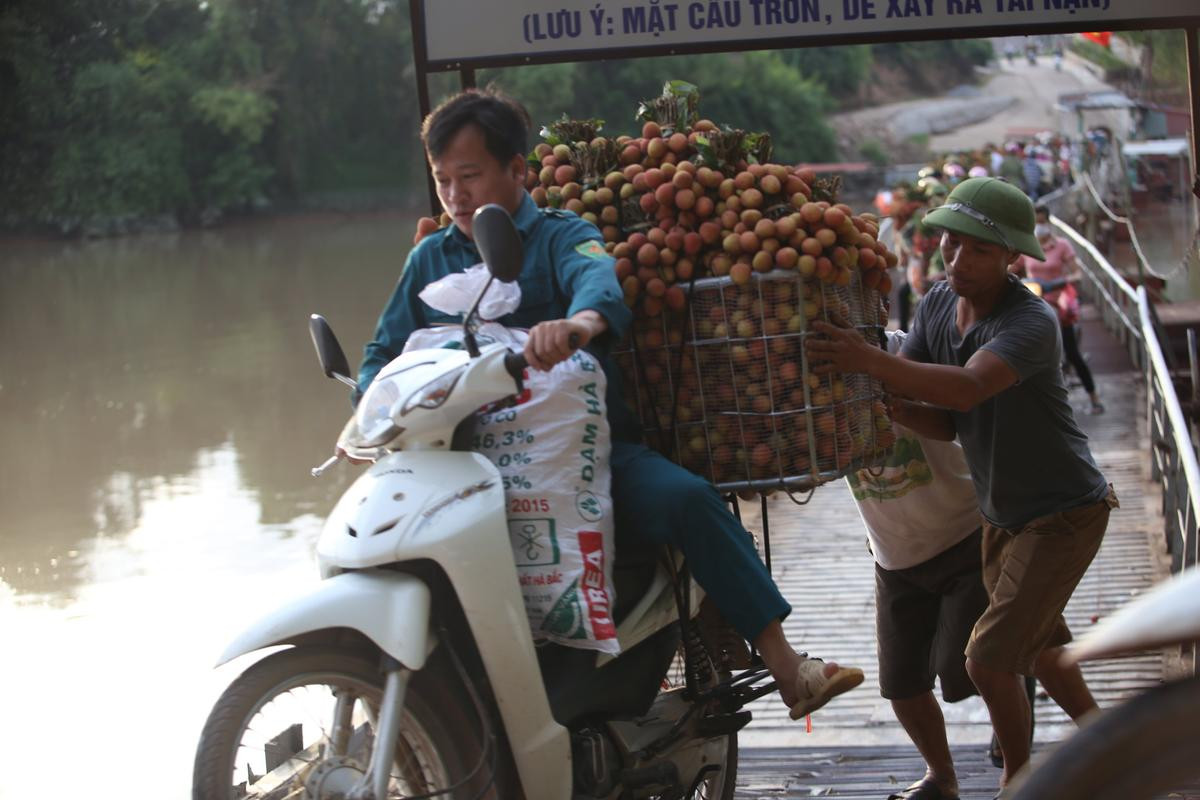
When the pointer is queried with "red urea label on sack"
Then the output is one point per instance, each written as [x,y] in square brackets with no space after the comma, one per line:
[591,547]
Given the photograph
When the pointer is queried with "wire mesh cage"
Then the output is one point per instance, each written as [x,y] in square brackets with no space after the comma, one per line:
[724,387]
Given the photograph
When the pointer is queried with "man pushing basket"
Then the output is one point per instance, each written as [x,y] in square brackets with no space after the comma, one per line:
[983,363]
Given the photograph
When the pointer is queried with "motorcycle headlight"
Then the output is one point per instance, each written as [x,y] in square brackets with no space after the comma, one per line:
[434,393]
[375,414]
[376,405]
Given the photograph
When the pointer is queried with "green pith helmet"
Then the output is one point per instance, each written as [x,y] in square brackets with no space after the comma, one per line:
[992,210]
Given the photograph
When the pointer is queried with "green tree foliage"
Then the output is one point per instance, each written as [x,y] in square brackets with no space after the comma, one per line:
[757,91]
[42,44]
[1114,67]
[841,70]
[142,107]
[242,117]
[874,151]
[927,63]
[339,72]
[137,108]
[235,111]
[1163,56]
[121,147]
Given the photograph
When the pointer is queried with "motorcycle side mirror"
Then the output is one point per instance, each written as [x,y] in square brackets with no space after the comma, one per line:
[498,242]
[329,352]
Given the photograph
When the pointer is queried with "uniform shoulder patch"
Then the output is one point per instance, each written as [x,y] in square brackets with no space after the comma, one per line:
[592,249]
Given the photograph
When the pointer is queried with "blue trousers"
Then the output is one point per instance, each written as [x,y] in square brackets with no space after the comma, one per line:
[664,503]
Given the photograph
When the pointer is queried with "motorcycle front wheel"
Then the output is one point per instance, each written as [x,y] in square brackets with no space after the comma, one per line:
[300,724]
[1143,749]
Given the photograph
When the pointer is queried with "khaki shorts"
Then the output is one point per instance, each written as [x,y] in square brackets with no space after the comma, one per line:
[1029,574]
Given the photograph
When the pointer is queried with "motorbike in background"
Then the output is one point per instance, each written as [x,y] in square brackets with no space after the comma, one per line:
[1146,747]
[410,671]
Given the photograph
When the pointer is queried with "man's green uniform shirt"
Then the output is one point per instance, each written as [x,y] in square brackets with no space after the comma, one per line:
[566,270]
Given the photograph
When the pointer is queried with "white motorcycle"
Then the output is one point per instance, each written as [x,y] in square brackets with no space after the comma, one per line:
[411,671]
[1146,747]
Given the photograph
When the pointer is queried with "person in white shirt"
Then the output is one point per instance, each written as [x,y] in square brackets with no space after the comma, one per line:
[923,524]
[996,157]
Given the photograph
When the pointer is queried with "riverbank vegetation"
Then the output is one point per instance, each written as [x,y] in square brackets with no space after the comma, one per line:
[1154,65]
[134,114]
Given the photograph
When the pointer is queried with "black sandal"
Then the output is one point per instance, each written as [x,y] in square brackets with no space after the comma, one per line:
[924,789]
[994,753]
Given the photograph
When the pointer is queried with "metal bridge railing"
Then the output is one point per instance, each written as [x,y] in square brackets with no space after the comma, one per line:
[1129,316]
[1172,455]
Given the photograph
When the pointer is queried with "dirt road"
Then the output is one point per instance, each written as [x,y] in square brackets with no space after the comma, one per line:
[1036,89]
[1017,99]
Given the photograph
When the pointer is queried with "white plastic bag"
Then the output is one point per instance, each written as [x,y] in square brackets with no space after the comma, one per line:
[455,293]
[553,452]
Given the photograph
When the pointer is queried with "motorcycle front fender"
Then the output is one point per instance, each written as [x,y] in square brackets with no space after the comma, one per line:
[1168,614]
[389,608]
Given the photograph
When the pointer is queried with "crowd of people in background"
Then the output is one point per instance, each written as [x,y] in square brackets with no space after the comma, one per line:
[1038,166]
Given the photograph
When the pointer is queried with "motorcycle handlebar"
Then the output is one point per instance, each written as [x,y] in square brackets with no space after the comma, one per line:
[515,363]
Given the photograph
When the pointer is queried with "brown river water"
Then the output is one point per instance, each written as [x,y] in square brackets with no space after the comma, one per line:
[160,407]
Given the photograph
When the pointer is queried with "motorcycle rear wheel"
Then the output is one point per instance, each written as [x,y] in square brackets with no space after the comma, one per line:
[268,737]
[1142,749]
[721,785]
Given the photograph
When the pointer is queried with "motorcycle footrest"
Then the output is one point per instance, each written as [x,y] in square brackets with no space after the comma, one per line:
[733,693]
[723,724]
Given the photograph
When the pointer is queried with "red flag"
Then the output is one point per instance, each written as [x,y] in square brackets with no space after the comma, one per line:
[1101,38]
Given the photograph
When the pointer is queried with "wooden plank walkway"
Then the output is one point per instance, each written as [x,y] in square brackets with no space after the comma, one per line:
[868,773]
[853,771]
[856,748]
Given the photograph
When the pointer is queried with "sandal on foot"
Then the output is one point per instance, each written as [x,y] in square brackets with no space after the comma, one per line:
[924,789]
[815,690]
[994,753]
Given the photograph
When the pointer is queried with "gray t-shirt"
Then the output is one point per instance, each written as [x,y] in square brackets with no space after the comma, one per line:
[1028,457]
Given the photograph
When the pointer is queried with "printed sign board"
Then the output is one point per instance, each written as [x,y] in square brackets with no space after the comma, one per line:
[461,32]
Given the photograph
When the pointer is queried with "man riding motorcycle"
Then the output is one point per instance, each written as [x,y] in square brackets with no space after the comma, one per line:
[476,144]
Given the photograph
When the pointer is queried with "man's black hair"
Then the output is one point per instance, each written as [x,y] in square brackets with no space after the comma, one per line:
[503,121]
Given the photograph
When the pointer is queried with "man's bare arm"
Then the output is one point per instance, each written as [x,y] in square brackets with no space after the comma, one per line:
[930,422]
[550,341]
[956,388]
